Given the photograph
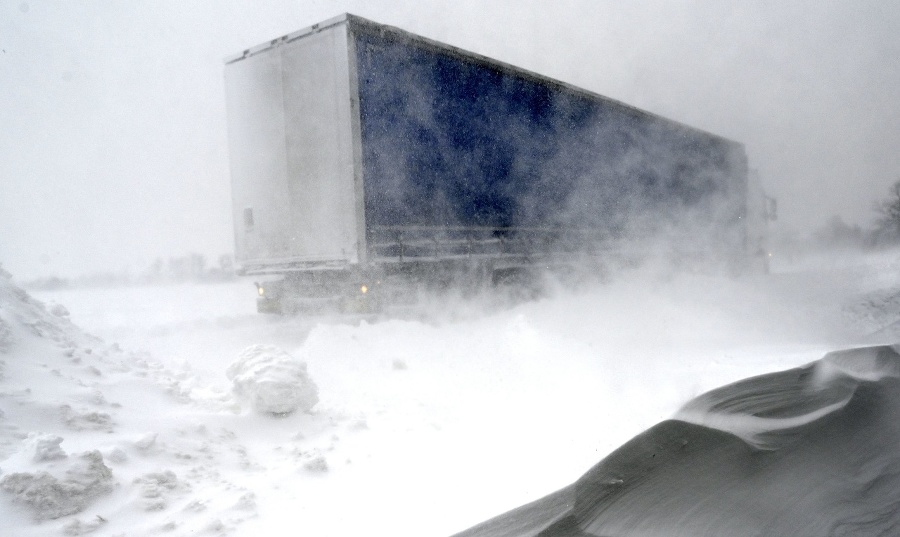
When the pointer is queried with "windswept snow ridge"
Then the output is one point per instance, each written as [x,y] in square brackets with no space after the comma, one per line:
[787,453]
[766,411]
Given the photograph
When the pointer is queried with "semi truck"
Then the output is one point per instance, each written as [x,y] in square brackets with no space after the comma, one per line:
[368,163]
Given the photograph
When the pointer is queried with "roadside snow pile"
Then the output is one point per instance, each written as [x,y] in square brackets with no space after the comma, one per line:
[73,488]
[91,435]
[42,356]
[272,381]
[19,310]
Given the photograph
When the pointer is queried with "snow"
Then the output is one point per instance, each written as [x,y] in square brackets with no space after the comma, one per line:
[70,492]
[272,381]
[187,413]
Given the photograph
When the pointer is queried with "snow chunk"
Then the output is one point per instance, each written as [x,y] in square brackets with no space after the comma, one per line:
[59,310]
[145,441]
[77,527]
[247,502]
[316,465]
[86,420]
[52,497]
[46,448]
[272,381]
[155,486]
[117,455]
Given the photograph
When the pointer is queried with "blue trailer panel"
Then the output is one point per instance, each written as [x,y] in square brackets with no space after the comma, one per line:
[452,139]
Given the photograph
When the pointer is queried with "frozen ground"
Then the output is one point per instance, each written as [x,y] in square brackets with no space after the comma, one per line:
[420,426]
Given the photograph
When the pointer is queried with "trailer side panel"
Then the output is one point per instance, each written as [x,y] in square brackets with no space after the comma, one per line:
[451,139]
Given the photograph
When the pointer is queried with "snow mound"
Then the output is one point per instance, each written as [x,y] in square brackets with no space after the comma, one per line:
[272,381]
[51,497]
[822,457]
[23,317]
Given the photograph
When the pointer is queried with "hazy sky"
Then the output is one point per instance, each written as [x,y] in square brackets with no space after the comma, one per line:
[113,146]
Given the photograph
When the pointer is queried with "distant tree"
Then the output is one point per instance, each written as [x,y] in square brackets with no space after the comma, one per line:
[197,262]
[155,271]
[191,267]
[179,268]
[226,263]
[838,234]
[889,214]
[156,268]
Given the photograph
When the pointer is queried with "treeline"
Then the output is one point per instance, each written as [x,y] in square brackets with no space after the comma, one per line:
[837,236]
[885,232]
[193,267]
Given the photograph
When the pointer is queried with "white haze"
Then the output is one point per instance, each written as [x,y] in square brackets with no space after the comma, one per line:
[423,425]
[113,145]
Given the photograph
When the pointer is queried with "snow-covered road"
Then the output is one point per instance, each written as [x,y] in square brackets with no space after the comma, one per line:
[424,426]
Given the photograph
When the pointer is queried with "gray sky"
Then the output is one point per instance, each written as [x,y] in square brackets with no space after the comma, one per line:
[113,147]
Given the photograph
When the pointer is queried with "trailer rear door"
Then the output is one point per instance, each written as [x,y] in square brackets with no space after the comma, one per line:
[291,146]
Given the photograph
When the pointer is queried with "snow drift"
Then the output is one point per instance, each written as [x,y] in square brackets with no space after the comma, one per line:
[807,451]
[84,443]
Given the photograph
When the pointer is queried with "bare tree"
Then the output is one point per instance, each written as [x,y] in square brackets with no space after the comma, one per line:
[838,234]
[889,212]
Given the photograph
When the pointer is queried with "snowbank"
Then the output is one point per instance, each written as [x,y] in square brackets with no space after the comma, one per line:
[92,436]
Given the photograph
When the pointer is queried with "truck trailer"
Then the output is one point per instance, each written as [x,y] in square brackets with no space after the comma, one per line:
[368,162]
